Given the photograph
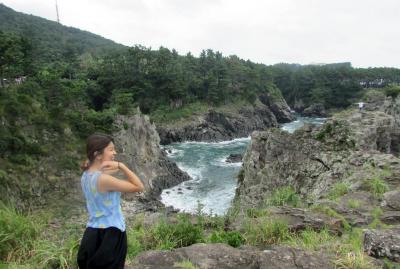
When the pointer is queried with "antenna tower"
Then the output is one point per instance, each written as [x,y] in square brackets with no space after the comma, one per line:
[58,17]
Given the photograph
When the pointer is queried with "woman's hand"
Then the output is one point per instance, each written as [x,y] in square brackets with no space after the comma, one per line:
[109,165]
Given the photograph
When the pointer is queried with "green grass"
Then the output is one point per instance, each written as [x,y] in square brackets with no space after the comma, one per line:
[311,239]
[338,190]
[232,238]
[352,203]
[283,196]
[185,264]
[165,114]
[266,233]
[354,260]
[257,212]
[377,187]
[331,213]
[28,240]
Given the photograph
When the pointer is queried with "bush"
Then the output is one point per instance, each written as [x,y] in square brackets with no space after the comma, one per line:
[392,91]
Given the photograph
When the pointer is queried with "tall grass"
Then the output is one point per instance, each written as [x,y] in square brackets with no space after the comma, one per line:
[26,240]
[266,233]
[283,196]
[338,190]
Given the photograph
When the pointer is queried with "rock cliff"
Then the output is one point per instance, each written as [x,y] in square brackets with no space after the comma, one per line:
[218,125]
[357,152]
[138,146]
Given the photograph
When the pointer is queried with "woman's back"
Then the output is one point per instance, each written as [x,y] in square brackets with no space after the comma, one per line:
[103,207]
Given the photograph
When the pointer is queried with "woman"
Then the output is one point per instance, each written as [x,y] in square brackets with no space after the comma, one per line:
[104,242]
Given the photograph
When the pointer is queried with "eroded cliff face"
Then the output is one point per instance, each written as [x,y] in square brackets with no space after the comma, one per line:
[138,147]
[352,148]
[221,125]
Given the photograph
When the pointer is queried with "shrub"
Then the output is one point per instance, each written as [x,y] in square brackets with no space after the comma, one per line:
[392,91]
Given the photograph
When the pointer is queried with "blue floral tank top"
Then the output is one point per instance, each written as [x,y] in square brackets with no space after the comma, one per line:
[104,208]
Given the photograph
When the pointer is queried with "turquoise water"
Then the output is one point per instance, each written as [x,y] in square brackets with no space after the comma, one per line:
[213,181]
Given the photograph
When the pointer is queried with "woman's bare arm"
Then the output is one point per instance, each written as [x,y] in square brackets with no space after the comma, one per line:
[108,182]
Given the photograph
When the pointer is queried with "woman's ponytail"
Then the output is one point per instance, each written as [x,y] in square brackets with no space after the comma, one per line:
[85,165]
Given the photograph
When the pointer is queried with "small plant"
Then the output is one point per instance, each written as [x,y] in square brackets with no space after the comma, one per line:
[353,203]
[332,213]
[311,239]
[376,222]
[354,260]
[167,236]
[257,212]
[338,190]
[185,264]
[266,233]
[283,196]
[377,186]
[232,238]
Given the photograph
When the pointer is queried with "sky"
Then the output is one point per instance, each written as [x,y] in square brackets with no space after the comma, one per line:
[363,32]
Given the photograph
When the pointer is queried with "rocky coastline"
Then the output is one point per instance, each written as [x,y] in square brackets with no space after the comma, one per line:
[215,125]
[356,151]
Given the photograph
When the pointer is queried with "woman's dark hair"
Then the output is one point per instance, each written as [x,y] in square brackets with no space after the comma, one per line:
[95,145]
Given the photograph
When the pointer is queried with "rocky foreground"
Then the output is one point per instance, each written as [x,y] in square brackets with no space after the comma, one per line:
[340,178]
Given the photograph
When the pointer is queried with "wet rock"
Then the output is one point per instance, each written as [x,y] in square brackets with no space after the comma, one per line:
[315,110]
[383,243]
[234,158]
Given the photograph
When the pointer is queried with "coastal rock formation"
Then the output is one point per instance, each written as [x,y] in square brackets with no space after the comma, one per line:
[312,160]
[348,166]
[138,147]
[222,125]
[315,110]
[234,158]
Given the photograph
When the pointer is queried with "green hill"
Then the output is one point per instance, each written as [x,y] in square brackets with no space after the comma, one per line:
[50,40]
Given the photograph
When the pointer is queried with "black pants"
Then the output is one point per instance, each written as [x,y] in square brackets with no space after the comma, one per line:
[102,249]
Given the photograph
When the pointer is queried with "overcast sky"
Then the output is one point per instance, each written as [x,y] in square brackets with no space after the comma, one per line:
[363,32]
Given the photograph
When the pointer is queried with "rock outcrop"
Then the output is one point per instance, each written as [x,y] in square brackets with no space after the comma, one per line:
[234,158]
[138,146]
[315,110]
[383,243]
[355,150]
[312,160]
[222,125]
[221,256]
